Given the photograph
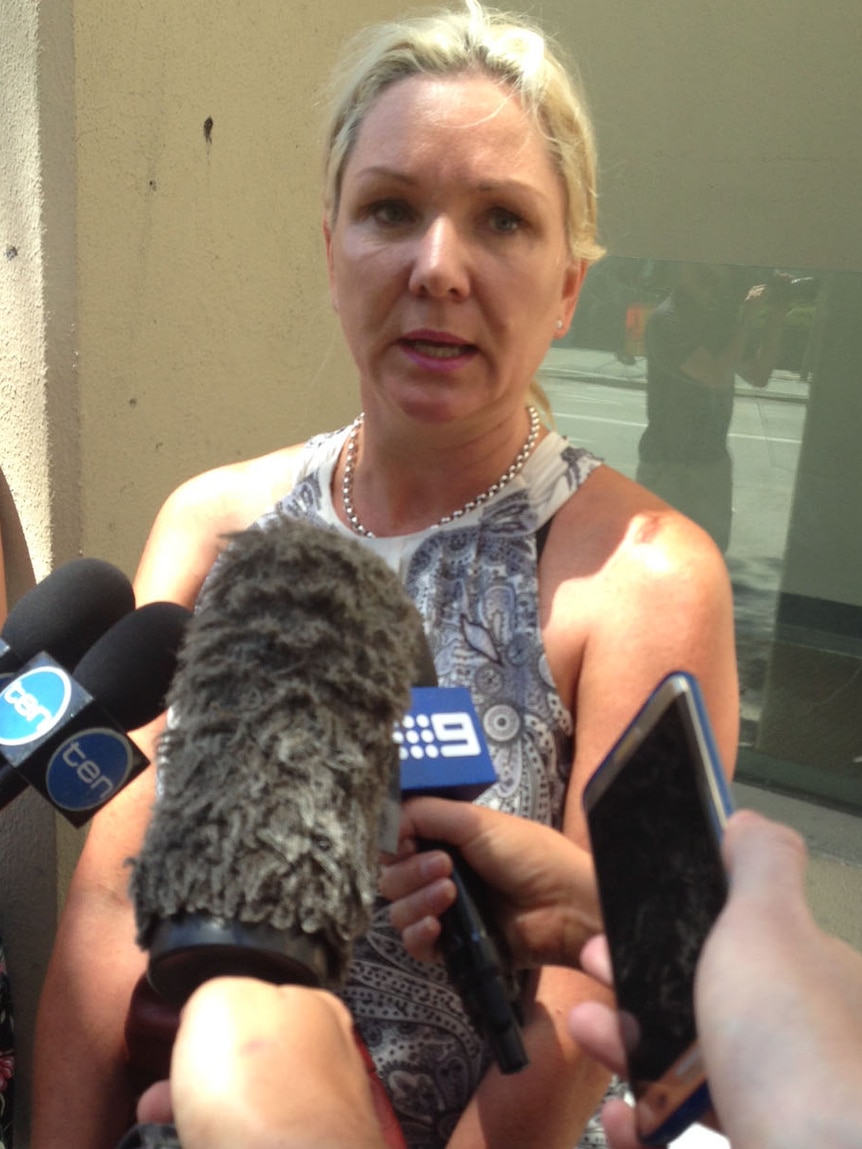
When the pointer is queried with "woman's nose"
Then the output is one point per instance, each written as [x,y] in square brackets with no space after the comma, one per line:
[440,262]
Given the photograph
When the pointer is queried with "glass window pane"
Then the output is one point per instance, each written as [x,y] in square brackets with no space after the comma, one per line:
[735,393]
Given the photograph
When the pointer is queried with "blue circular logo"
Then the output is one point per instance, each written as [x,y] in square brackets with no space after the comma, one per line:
[32,705]
[88,769]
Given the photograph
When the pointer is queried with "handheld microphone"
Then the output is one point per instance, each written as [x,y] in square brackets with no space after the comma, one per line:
[442,751]
[62,616]
[261,855]
[65,734]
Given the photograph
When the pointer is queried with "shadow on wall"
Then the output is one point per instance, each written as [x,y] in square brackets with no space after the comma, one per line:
[19,576]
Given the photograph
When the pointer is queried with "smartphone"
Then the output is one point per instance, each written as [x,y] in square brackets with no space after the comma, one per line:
[656,810]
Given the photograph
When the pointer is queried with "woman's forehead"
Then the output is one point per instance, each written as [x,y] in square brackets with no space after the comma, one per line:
[461,118]
[468,100]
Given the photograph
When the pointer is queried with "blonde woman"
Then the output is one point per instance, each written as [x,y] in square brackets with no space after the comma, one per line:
[459,220]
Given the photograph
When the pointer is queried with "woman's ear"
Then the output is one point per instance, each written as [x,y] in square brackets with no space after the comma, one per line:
[330,267]
[572,283]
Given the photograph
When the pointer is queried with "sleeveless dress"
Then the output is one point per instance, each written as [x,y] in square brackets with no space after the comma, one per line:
[474,582]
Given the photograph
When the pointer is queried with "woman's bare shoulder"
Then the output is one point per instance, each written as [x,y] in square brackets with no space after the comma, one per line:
[615,530]
[236,493]
[634,591]
[619,568]
[197,518]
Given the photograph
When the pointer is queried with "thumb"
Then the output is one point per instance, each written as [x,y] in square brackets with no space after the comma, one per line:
[765,860]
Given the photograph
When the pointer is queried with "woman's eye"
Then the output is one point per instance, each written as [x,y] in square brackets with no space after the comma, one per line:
[504,220]
[390,212]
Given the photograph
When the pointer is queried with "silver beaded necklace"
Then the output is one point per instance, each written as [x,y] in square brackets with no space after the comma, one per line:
[515,467]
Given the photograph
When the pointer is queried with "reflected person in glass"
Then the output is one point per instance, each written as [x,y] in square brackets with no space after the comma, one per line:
[706,332]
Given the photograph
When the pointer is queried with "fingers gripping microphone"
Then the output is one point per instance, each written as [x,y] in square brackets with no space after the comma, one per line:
[442,751]
[64,734]
[261,856]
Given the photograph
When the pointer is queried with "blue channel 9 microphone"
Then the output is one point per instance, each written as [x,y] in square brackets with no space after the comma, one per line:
[443,752]
[65,734]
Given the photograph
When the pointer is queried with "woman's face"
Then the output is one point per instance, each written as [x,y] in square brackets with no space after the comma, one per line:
[448,260]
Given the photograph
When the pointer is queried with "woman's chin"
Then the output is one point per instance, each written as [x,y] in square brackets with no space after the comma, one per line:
[437,402]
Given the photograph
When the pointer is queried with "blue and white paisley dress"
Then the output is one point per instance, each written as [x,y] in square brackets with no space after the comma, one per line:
[474,582]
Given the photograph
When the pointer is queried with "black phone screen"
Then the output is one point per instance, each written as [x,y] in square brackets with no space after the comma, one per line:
[661,882]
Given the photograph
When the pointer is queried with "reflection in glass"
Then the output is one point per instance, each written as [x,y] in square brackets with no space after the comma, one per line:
[736,394]
[711,329]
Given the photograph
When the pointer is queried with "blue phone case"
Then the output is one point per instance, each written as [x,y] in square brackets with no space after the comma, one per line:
[677,1099]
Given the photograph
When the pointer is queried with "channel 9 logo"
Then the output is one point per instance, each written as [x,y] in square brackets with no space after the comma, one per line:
[441,744]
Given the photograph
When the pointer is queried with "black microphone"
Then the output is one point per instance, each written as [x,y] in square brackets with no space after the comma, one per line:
[261,856]
[65,734]
[62,616]
[442,751]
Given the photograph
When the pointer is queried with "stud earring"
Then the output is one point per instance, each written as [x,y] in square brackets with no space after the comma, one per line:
[559,325]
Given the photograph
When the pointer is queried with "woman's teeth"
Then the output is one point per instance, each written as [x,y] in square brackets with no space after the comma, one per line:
[440,350]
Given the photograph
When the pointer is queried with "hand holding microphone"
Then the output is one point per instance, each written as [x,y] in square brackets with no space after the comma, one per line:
[241,1045]
[542,884]
[443,752]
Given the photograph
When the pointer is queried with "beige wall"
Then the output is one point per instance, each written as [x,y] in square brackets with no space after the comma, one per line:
[205,330]
[39,428]
[39,433]
[167,308]
[728,131]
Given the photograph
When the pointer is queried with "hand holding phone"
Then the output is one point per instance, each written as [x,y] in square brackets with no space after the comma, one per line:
[656,809]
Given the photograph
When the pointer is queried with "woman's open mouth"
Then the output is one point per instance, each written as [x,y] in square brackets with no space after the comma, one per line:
[445,353]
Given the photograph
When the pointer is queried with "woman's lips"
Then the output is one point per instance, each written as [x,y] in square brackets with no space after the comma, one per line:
[437,352]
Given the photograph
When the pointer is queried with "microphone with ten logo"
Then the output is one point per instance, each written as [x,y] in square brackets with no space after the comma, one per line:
[65,734]
[62,616]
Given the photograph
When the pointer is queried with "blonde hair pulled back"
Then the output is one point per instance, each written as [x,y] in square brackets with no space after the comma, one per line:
[473,41]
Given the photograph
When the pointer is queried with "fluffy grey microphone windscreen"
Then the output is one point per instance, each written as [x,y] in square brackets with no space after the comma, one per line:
[279,754]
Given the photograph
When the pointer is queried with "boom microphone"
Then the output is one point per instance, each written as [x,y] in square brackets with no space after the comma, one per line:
[65,734]
[261,855]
